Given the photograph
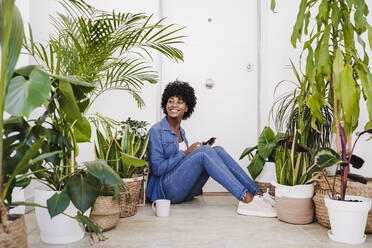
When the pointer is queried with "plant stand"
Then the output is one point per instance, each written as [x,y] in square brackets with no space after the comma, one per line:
[16,237]
[348,219]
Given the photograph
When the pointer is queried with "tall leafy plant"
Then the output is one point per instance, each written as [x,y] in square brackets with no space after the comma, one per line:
[17,152]
[336,72]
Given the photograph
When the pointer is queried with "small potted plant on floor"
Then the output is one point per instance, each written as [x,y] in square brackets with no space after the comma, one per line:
[124,152]
[347,213]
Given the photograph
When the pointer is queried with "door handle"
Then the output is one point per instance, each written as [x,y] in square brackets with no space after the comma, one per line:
[209,83]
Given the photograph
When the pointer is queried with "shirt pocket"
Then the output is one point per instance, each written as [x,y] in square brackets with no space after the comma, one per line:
[169,145]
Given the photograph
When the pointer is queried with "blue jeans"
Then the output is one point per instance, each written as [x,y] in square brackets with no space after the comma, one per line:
[187,179]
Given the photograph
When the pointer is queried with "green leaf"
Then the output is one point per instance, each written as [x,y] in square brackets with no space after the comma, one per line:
[336,15]
[350,94]
[90,226]
[266,142]
[247,151]
[134,161]
[327,157]
[73,80]
[338,67]
[11,33]
[68,102]
[26,70]
[324,61]
[82,130]
[83,190]
[273,5]
[25,95]
[103,172]
[369,35]
[256,166]
[57,203]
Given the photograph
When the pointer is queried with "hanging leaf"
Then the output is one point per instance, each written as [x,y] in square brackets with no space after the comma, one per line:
[247,151]
[349,99]
[256,166]
[324,62]
[57,203]
[266,142]
[83,190]
[103,172]
[338,66]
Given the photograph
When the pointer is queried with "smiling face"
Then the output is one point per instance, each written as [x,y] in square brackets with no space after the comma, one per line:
[176,107]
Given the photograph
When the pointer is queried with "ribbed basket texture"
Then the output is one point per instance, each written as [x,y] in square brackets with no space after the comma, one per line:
[106,212]
[353,188]
[129,197]
[17,235]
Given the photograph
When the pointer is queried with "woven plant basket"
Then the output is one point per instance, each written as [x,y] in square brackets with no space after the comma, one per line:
[129,195]
[264,186]
[105,213]
[353,188]
[17,235]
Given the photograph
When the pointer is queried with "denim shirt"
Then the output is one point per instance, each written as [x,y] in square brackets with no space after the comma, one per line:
[164,155]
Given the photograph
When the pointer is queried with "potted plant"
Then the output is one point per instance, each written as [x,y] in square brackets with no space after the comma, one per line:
[16,155]
[140,131]
[347,213]
[124,152]
[264,158]
[336,73]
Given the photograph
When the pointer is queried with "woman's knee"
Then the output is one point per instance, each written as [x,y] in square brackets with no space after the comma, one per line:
[218,149]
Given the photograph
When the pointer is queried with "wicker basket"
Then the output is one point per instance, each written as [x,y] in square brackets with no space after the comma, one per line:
[264,186]
[17,235]
[105,213]
[353,188]
[129,195]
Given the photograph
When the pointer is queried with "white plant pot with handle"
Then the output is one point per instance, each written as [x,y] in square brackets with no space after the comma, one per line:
[348,219]
[61,229]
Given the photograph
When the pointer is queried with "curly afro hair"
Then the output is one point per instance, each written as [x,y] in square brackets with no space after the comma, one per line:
[183,91]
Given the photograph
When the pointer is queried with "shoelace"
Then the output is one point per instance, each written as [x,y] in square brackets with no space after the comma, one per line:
[268,198]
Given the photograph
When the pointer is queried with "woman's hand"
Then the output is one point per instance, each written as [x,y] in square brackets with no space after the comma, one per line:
[193,147]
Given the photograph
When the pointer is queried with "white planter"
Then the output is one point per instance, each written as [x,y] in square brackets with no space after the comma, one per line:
[348,219]
[297,191]
[294,204]
[61,229]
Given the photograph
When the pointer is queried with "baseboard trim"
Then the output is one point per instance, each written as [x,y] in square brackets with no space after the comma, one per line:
[217,194]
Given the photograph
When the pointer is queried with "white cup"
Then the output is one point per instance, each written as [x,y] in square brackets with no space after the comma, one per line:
[161,207]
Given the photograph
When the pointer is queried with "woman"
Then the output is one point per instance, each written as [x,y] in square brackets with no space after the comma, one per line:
[179,171]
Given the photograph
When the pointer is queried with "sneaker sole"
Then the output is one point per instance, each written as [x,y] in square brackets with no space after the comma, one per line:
[256,213]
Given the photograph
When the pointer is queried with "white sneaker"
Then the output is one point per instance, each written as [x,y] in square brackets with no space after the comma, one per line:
[257,207]
[269,198]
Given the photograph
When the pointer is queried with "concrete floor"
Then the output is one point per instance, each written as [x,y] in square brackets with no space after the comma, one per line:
[208,221]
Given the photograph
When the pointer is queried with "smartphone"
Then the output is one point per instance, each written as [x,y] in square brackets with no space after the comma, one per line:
[210,141]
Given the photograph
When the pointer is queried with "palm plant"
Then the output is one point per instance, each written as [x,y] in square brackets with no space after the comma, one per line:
[107,50]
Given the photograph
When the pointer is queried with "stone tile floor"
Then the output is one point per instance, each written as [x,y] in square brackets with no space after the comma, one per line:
[207,221]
